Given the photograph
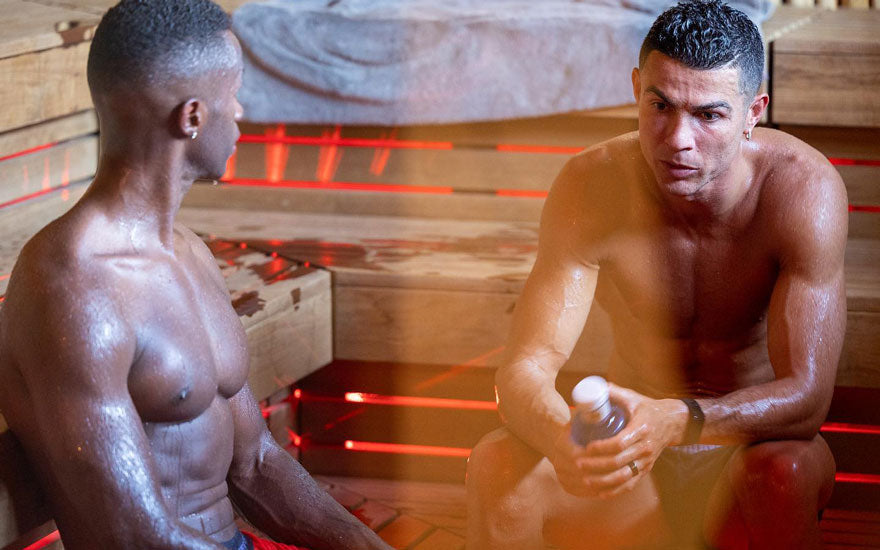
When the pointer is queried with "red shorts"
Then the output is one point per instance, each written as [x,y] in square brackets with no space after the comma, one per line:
[262,544]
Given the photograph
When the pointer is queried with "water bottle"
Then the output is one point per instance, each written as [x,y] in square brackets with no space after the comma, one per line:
[594,416]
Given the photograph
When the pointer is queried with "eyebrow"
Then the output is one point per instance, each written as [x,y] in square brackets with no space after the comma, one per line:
[705,107]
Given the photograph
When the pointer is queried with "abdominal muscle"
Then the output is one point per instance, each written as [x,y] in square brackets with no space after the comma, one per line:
[675,367]
[193,460]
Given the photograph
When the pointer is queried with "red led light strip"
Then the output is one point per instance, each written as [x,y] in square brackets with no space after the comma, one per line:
[429,402]
[842,427]
[837,161]
[867,479]
[29,151]
[406,449]
[25,198]
[864,208]
[325,141]
[45,541]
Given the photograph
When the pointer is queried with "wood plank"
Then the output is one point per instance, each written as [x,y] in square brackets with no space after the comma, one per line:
[28,26]
[365,203]
[834,32]
[405,531]
[51,131]
[855,143]
[285,310]
[441,539]
[54,82]
[420,326]
[21,222]
[71,161]
[861,354]
[825,89]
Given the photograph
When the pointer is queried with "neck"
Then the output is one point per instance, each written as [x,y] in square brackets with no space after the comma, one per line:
[141,188]
[715,204]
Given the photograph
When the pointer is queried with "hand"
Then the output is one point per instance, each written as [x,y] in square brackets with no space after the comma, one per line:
[603,468]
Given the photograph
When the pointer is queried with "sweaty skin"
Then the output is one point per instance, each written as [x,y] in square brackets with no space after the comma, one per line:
[719,260]
[123,366]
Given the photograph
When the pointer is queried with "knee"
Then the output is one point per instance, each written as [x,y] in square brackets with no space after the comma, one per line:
[499,462]
[770,473]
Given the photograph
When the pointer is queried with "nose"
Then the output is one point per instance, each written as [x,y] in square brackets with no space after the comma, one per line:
[680,134]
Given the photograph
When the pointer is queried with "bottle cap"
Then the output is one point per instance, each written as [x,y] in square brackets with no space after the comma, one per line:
[591,392]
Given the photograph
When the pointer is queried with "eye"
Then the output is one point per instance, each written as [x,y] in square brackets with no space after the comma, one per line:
[710,116]
[659,105]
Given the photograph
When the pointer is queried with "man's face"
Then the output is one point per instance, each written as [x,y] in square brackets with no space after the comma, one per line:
[691,122]
[220,134]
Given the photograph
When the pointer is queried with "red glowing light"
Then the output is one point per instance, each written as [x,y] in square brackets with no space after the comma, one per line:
[4,277]
[864,208]
[837,161]
[230,167]
[276,154]
[295,438]
[410,401]
[840,427]
[524,193]
[29,151]
[329,140]
[340,185]
[274,254]
[406,449]
[868,479]
[242,245]
[25,198]
[297,393]
[54,536]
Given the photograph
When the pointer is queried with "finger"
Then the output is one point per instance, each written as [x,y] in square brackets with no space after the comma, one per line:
[627,478]
[615,479]
[630,436]
[610,463]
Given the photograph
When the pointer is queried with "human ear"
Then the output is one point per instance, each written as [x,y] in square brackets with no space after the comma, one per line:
[756,110]
[637,90]
[191,117]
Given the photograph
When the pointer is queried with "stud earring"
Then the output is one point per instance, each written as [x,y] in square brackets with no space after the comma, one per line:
[748,136]
[194,135]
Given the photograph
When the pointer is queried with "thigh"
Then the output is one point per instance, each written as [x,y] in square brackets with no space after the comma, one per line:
[630,520]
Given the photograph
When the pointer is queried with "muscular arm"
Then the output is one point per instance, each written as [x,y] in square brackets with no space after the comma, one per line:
[806,323]
[73,352]
[279,497]
[548,320]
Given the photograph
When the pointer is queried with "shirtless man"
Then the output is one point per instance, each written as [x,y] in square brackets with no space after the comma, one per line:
[717,251]
[123,366]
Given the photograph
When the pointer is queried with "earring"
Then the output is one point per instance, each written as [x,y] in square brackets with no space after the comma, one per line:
[194,135]
[748,136]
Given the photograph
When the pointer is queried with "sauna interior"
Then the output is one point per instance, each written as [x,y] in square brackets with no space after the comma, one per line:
[375,265]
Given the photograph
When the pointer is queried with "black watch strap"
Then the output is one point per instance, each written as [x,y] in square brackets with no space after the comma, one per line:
[695,422]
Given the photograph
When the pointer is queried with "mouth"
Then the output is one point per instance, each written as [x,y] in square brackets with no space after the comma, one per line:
[678,170]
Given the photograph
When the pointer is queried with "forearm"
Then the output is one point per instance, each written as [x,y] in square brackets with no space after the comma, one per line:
[280,498]
[529,404]
[782,409]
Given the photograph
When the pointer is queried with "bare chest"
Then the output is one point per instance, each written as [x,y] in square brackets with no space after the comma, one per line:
[192,347]
[680,286]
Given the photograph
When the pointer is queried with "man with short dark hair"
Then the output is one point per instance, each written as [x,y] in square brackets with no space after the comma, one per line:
[123,366]
[717,251]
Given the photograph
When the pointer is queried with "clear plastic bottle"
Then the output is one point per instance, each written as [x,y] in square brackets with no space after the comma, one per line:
[594,416]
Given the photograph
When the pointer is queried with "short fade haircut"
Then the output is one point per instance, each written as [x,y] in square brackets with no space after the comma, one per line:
[708,34]
[143,42]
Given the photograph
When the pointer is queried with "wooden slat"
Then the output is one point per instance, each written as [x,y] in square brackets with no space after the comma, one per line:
[43,86]
[365,203]
[405,532]
[70,161]
[52,131]
[27,26]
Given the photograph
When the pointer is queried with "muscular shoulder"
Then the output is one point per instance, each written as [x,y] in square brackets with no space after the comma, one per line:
[593,194]
[803,199]
[62,300]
